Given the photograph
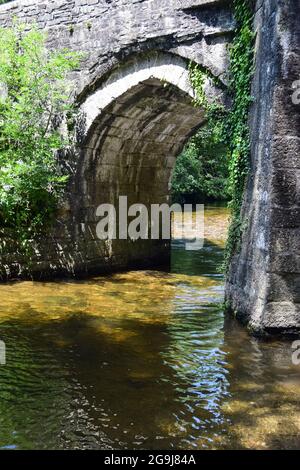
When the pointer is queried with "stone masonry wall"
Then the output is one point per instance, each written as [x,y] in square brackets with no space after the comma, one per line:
[111,31]
[263,287]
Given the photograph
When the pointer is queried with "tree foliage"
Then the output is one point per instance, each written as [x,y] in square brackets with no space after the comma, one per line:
[201,170]
[34,100]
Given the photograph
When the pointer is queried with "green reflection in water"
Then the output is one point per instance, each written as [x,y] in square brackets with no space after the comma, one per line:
[142,360]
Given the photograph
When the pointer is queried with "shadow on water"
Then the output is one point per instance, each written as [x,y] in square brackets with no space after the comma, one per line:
[142,360]
[85,381]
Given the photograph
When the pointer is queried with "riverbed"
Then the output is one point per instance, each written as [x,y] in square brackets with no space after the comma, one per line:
[143,360]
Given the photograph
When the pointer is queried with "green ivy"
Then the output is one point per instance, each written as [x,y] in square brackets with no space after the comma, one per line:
[215,111]
[236,126]
[232,125]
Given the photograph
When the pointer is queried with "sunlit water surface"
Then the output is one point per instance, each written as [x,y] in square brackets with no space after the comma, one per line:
[142,360]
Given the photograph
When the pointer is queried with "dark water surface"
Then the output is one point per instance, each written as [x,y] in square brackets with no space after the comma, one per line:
[142,360]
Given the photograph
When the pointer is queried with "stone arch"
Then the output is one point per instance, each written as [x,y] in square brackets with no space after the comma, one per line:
[168,68]
[137,122]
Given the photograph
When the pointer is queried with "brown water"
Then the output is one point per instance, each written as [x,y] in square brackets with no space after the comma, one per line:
[142,360]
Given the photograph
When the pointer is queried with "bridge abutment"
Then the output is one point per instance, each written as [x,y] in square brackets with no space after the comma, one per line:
[263,286]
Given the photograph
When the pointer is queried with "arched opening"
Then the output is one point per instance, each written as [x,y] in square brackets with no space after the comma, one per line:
[137,122]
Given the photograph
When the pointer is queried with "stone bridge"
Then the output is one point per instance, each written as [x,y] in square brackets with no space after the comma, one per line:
[133,89]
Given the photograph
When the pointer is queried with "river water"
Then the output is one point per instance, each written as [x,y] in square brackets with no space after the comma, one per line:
[142,359]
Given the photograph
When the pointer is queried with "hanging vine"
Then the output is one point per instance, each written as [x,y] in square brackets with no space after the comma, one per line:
[233,125]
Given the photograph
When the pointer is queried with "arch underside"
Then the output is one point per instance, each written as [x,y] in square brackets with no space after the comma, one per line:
[130,150]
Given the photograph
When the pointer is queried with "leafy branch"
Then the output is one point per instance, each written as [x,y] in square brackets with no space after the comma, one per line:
[34,93]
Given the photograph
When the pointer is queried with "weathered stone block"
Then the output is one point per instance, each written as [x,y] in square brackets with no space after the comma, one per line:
[286,152]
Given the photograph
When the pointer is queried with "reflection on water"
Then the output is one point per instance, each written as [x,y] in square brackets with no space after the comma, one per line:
[142,360]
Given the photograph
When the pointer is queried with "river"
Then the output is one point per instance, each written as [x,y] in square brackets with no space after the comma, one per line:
[142,360]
